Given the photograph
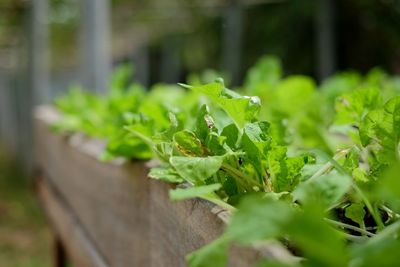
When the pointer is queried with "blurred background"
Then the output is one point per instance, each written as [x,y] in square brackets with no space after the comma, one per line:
[47,45]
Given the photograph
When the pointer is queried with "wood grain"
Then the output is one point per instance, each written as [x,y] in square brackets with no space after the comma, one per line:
[179,228]
[79,248]
[110,200]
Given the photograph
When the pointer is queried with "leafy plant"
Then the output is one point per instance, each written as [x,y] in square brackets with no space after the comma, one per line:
[314,169]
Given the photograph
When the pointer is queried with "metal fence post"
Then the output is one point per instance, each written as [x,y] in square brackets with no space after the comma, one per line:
[37,90]
[171,65]
[325,38]
[95,44]
[8,121]
[39,52]
[232,41]
[141,59]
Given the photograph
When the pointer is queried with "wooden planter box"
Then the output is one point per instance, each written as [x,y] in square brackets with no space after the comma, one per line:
[112,214]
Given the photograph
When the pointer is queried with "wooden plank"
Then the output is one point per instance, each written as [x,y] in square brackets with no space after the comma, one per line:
[178,228]
[79,248]
[110,200]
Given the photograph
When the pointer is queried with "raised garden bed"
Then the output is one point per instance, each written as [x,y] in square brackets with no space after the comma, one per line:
[111,214]
[316,177]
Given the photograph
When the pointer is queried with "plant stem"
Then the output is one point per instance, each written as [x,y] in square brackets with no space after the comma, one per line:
[240,177]
[333,163]
[350,227]
[377,218]
[220,203]
[391,212]
[355,238]
[389,231]
[328,166]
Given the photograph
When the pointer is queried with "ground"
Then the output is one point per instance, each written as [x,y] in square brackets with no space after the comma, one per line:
[25,239]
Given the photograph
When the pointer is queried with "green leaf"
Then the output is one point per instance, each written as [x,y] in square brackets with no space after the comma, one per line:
[266,72]
[128,147]
[356,213]
[160,101]
[293,94]
[204,123]
[167,135]
[143,131]
[256,143]
[164,150]
[388,187]
[166,174]
[256,137]
[284,171]
[375,76]
[380,129]
[230,186]
[321,244]
[360,175]
[258,218]
[339,84]
[352,107]
[258,133]
[212,90]
[203,191]
[196,170]
[380,250]
[120,77]
[214,254]
[351,160]
[231,132]
[351,164]
[188,144]
[206,192]
[326,189]
[215,144]
[240,109]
